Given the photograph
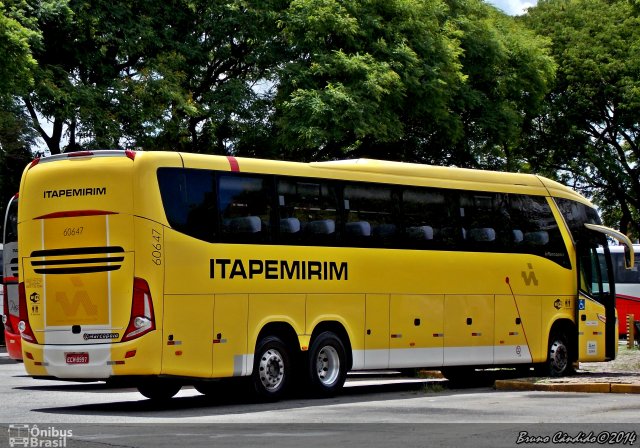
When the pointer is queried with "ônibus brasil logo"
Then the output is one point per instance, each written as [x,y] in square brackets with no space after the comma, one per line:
[34,436]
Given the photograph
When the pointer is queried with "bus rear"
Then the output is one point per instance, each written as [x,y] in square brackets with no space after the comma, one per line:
[83,312]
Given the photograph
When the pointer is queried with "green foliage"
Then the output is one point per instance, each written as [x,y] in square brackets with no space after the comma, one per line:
[440,81]
[590,127]
[17,38]
[363,72]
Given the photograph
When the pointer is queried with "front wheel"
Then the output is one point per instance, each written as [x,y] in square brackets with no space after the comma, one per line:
[271,369]
[559,361]
[327,368]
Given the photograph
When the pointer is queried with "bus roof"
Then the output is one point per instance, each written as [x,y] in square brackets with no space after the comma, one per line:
[403,173]
[363,169]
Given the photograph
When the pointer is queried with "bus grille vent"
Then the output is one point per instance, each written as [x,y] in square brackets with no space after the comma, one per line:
[78,260]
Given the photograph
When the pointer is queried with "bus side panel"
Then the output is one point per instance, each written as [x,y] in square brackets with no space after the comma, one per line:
[516,318]
[231,356]
[376,339]
[468,330]
[416,331]
[188,335]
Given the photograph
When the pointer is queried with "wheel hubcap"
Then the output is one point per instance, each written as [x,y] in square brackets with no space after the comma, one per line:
[271,369]
[328,365]
[559,357]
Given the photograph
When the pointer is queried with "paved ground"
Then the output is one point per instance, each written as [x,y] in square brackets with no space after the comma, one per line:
[621,375]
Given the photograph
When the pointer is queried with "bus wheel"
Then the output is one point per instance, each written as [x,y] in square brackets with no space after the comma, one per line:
[271,369]
[159,389]
[327,364]
[559,360]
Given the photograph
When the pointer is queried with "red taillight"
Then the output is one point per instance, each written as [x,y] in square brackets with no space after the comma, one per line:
[24,326]
[142,319]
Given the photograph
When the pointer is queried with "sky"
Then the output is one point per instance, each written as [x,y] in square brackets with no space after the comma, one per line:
[513,7]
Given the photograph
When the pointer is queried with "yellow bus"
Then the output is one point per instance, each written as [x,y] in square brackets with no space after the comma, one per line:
[171,269]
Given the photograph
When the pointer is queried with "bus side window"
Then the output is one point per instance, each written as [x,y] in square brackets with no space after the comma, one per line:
[485,220]
[370,217]
[187,197]
[540,232]
[244,207]
[429,219]
[307,212]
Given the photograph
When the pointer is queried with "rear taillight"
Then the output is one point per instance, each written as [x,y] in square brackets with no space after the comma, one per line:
[24,326]
[142,319]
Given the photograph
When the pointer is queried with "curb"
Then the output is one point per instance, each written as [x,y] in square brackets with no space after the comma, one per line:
[569,387]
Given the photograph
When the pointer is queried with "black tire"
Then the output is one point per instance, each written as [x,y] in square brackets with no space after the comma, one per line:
[460,376]
[559,360]
[210,388]
[272,369]
[327,365]
[159,389]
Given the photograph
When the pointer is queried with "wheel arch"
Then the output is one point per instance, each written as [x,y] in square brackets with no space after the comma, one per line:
[569,329]
[282,330]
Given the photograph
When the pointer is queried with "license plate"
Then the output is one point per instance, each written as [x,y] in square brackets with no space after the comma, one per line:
[77,358]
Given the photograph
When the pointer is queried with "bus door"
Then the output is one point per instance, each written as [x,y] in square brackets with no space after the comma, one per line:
[596,310]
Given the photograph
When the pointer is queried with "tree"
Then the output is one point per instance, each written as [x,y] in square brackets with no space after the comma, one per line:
[17,38]
[441,82]
[159,75]
[363,70]
[508,72]
[590,128]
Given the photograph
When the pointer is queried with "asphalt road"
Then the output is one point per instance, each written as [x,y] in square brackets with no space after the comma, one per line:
[372,411]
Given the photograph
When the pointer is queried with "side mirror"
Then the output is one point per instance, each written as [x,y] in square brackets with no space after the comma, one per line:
[628,258]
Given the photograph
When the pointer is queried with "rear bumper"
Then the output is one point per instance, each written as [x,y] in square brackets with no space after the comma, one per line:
[139,357]
[14,345]
[52,360]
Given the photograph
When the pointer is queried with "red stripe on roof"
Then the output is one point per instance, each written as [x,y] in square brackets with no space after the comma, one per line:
[233,163]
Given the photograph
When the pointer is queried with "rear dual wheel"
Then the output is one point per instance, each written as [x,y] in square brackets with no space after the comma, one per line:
[272,369]
[327,367]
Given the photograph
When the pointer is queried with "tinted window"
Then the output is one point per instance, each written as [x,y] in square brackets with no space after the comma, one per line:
[533,229]
[370,217]
[431,218]
[244,206]
[308,211]
[485,220]
[577,215]
[621,273]
[254,209]
[188,200]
